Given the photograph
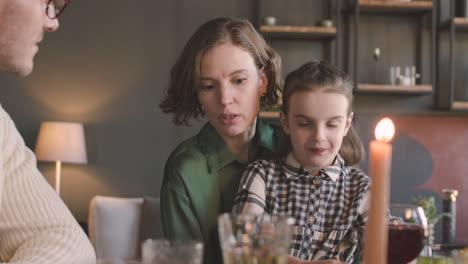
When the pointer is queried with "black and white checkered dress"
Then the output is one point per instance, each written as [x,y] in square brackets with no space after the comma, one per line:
[330,209]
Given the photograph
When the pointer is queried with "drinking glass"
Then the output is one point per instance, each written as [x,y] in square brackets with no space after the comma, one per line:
[407,233]
[248,239]
[161,251]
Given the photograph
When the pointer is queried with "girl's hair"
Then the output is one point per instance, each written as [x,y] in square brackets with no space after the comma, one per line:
[324,77]
[182,100]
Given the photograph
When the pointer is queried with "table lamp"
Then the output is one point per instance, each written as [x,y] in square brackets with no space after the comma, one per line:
[61,142]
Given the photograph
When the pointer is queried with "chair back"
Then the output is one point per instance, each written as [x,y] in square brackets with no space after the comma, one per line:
[114,227]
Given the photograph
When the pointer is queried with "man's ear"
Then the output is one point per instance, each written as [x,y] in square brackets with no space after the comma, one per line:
[284,122]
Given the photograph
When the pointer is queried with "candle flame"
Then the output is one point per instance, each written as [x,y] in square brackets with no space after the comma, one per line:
[385,130]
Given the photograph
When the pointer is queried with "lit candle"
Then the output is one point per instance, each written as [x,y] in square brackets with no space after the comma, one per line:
[380,158]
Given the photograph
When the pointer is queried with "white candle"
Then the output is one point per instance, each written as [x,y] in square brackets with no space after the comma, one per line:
[380,158]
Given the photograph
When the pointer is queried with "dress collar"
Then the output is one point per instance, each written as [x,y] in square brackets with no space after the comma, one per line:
[216,151]
[295,169]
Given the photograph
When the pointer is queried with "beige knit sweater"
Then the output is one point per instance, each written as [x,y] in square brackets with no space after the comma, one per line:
[35,225]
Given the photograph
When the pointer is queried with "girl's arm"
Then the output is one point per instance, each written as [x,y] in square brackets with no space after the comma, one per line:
[250,198]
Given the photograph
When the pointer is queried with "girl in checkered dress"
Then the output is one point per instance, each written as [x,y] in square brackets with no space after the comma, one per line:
[314,181]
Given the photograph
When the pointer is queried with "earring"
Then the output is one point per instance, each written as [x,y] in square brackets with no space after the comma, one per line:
[200,109]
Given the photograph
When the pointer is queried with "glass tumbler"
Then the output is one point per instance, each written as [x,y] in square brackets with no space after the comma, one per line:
[248,239]
[161,251]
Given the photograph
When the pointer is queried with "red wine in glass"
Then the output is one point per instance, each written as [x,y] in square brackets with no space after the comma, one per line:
[407,233]
[405,242]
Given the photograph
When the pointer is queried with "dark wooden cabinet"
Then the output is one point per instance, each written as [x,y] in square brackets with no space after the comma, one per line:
[452,92]
[374,76]
[415,32]
[297,32]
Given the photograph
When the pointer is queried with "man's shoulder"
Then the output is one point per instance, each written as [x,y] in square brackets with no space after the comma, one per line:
[4,116]
[9,134]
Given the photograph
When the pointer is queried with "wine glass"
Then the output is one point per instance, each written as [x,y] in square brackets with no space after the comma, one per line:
[407,233]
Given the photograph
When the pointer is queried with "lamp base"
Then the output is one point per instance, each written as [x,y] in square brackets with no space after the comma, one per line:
[58,168]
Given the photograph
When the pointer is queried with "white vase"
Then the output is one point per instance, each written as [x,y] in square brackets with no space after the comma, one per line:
[430,234]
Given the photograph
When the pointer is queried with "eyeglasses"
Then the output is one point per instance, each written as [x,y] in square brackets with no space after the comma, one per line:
[54,8]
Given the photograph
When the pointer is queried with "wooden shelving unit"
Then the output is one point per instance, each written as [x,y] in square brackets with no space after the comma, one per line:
[459,105]
[418,9]
[269,114]
[399,89]
[369,6]
[299,32]
[459,24]
[449,29]
[383,3]
[295,31]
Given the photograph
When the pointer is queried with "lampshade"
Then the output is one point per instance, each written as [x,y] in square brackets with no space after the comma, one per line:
[61,141]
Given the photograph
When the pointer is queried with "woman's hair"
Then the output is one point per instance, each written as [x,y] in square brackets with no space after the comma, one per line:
[324,77]
[181,99]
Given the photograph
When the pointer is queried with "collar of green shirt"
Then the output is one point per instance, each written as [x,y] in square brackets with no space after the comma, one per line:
[218,155]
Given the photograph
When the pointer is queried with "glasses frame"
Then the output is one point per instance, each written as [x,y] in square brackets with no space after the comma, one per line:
[56,15]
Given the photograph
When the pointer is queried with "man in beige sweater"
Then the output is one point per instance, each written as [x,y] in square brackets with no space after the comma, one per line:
[35,225]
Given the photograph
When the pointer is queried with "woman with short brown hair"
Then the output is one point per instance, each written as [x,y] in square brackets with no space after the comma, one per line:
[226,73]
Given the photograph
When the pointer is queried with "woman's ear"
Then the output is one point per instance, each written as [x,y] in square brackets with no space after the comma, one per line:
[263,83]
[349,121]
[284,122]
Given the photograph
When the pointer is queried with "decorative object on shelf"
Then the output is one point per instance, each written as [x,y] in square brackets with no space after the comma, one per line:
[430,210]
[326,23]
[376,59]
[61,142]
[413,75]
[394,73]
[408,79]
[376,54]
[269,20]
[449,206]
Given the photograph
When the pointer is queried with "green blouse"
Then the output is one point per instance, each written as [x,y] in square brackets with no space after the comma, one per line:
[201,178]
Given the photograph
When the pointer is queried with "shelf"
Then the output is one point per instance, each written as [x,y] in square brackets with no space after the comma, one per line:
[393,89]
[269,114]
[459,105]
[298,32]
[402,7]
[460,23]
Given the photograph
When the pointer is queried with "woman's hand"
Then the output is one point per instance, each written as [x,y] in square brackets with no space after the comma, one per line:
[294,260]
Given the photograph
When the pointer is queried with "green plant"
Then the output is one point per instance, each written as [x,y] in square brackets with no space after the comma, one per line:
[430,209]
